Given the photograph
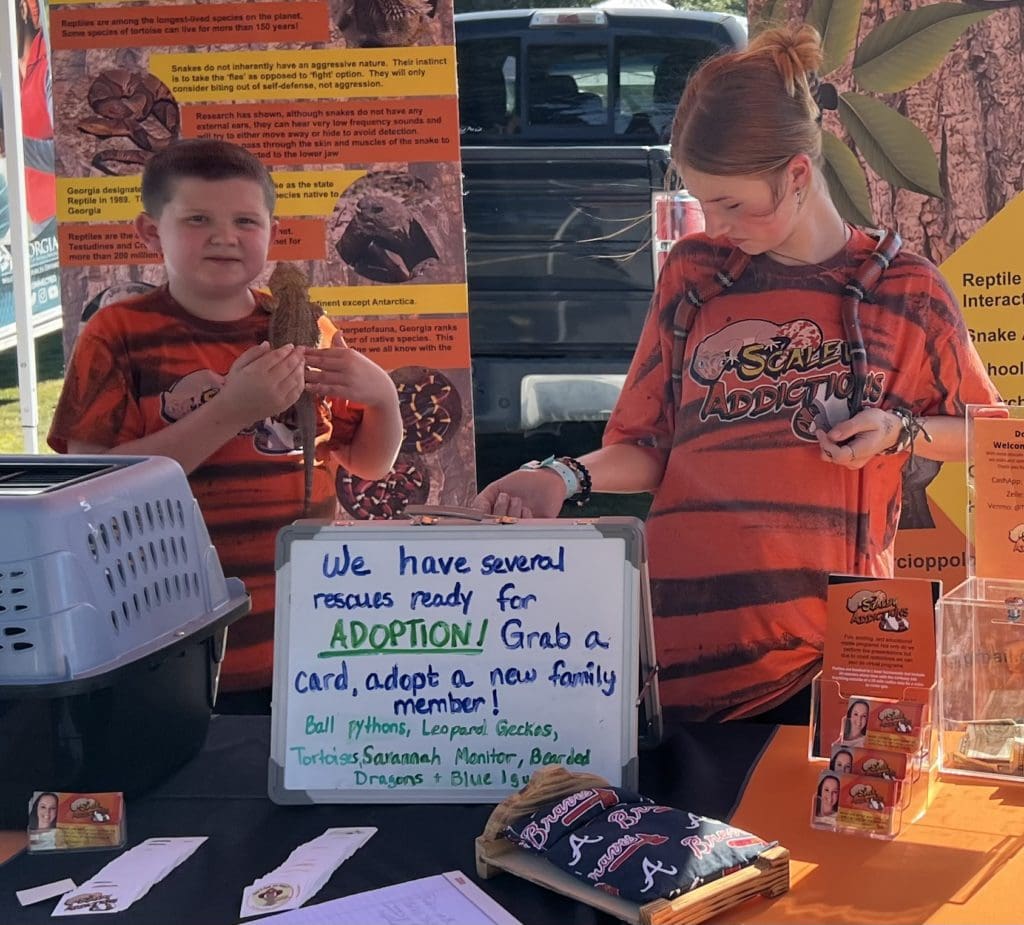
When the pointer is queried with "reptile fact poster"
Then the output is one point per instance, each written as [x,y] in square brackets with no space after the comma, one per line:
[354,110]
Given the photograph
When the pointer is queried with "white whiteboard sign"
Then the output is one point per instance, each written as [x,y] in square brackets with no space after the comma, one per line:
[445,663]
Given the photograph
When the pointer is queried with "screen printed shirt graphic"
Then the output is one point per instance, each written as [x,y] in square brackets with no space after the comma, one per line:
[270,436]
[748,518]
[756,367]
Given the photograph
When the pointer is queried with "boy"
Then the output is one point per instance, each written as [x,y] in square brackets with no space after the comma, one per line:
[185,371]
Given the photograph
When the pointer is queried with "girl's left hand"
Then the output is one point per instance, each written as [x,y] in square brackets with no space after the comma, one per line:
[339,371]
[854,443]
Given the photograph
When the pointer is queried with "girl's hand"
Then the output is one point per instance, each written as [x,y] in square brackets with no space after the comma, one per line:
[854,443]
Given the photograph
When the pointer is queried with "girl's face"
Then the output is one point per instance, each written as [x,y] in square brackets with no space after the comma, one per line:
[748,211]
[829,796]
[843,763]
[46,811]
[858,719]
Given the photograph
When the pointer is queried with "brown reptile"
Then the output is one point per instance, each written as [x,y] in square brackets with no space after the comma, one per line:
[293,320]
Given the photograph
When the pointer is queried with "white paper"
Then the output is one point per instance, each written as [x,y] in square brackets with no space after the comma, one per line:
[128,877]
[304,872]
[37,894]
[445,899]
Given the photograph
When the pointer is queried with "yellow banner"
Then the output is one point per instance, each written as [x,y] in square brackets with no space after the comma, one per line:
[311,192]
[987,275]
[91,199]
[348,301]
[307,74]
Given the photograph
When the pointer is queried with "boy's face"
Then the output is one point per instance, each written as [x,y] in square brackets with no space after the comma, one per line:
[213,236]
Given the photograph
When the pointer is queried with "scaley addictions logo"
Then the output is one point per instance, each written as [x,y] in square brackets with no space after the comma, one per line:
[755,367]
[875,606]
[865,796]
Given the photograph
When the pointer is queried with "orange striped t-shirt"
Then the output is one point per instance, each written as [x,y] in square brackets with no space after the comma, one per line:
[748,520]
[142,364]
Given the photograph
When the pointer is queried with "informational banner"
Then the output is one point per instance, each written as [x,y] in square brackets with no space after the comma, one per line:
[356,114]
[448,663]
[37,148]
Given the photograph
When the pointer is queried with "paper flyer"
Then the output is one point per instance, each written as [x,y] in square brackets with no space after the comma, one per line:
[997,457]
[879,643]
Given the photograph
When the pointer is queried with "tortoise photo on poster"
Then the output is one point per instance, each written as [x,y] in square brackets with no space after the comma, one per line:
[392,226]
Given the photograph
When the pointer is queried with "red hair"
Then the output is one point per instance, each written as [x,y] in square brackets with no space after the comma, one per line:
[750,112]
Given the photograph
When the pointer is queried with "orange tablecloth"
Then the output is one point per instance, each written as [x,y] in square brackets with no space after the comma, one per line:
[11,843]
[960,863]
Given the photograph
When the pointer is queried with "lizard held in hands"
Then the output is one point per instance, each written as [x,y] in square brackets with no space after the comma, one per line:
[293,320]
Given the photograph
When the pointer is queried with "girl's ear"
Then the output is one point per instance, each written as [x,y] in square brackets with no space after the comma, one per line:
[801,171]
[149,234]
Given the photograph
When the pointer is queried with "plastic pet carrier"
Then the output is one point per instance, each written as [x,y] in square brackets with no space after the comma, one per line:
[113,621]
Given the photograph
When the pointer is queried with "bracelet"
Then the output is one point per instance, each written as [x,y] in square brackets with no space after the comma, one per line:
[573,473]
[583,473]
[910,427]
[568,475]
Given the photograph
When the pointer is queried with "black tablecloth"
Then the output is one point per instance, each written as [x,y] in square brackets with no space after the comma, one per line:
[222,794]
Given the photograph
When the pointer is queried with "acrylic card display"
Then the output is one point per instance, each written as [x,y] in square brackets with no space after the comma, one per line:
[75,821]
[879,645]
[869,762]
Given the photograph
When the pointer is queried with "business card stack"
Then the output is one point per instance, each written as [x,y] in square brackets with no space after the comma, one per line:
[128,877]
[304,873]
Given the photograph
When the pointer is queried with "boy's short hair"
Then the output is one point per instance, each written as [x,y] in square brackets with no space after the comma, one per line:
[201,159]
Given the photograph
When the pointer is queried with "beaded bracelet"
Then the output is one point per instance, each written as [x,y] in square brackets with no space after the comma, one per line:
[583,473]
[573,473]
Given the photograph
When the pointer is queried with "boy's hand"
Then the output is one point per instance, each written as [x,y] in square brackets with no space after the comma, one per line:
[263,382]
[339,371]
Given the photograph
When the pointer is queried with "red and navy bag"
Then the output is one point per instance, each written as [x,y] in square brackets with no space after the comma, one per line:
[627,845]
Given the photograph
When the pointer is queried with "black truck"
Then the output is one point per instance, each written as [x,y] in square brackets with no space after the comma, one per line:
[565,117]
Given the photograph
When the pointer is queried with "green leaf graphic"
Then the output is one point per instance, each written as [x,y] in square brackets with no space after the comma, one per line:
[908,47]
[837,21]
[895,148]
[847,183]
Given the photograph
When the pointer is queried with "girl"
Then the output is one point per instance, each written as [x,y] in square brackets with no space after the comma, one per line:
[789,366]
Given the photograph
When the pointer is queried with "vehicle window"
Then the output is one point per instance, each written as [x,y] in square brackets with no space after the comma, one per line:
[488,72]
[652,74]
[605,89]
[567,84]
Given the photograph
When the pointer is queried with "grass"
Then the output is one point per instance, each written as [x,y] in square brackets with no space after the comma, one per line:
[49,378]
